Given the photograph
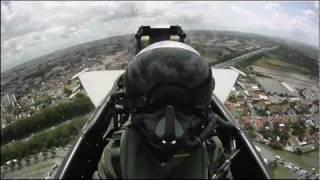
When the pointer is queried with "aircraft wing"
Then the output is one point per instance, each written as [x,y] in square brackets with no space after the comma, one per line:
[97,84]
[224,82]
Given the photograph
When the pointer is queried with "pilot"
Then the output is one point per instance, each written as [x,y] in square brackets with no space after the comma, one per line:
[170,133]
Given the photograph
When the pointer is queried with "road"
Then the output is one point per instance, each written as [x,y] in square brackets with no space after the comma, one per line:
[242,57]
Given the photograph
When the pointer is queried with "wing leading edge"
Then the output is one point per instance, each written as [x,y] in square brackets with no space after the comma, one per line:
[97,84]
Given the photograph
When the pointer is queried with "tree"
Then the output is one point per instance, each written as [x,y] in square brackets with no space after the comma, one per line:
[261,112]
[232,99]
[266,133]
[59,136]
[27,159]
[45,155]
[274,164]
[36,158]
[53,153]
[298,129]
[67,91]
[19,164]
[275,145]
[298,151]
[252,132]
[51,115]
[12,164]
[5,168]
[284,136]
[276,131]
[313,130]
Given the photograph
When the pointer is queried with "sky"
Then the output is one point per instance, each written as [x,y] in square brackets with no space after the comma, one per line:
[31,29]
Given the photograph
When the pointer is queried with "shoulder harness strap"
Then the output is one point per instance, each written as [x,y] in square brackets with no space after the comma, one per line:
[115,152]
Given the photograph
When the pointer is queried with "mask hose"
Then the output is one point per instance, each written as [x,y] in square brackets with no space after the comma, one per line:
[204,134]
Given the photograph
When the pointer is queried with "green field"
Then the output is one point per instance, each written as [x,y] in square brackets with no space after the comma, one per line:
[283,173]
[272,63]
[306,161]
[42,141]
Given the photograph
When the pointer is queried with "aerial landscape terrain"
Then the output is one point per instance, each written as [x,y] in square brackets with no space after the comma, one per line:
[275,99]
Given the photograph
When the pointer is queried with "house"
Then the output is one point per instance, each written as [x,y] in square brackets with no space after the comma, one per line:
[231,107]
[309,94]
[262,122]
[310,138]
[291,112]
[315,120]
[304,147]
[259,124]
[260,105]
[294,99]
[314,109]
[240,99]
[245,121]
[281,120]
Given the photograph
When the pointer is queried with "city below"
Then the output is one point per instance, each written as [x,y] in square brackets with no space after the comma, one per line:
[274,100]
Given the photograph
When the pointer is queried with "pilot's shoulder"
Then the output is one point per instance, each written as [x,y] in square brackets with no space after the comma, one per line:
[106,166]
[215,148]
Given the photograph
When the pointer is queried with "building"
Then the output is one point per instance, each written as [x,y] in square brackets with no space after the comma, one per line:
[8,100]
[281,120]
[289,87]
[305,147]
[231,107]
[260,105]
[245,121]
[309,94]
[315,120]
[259,124]
[274,87]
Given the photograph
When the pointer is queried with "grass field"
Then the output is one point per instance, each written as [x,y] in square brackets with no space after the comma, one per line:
[306,161]
[276,64]
[283,173]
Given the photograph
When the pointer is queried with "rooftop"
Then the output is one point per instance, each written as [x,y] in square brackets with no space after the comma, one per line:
[274,86]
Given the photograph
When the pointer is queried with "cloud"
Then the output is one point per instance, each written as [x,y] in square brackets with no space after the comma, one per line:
[309,13]
[31,29]
[240,10]
[273,6]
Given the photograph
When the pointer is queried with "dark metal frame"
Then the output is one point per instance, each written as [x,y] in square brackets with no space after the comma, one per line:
[82,159]
[255,166]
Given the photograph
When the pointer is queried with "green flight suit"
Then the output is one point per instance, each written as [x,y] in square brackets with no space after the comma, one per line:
[137,162]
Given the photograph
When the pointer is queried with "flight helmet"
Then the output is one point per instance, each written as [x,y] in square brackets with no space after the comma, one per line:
[169,87]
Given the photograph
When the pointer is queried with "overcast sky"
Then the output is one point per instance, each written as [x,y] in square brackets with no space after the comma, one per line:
[30,29]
